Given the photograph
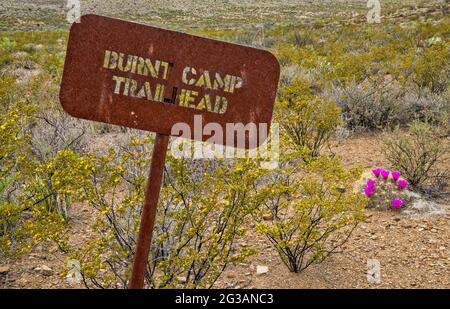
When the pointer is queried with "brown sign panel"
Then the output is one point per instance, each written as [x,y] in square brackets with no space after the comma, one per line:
[148,78]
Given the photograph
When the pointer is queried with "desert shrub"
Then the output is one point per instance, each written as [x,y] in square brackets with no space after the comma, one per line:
[431,70]
[289,74]
[302,39]
[352,68]
[367,107]
[202,211]
[384,106]
[23,227]
[425,105]
[13,137]
[7,44]
[316,214]
[416,152]
[23,222]
[55,184]
[306,119]
[56,142]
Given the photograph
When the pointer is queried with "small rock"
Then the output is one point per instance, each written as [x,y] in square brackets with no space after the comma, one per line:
[267,217]
[44,270]
[22,282]
[231,276]
[260,270]
[4,270]
[181,280]
[229,285]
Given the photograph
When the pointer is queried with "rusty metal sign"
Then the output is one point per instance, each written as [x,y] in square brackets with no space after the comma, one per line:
[148,78]
[153,79]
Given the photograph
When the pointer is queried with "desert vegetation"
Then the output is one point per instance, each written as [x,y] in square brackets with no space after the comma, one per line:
[353,97]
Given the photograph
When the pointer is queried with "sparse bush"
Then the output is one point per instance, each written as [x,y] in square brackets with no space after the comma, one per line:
[365,107]
[23,222]
[316,217]
[7,44]
[307,120]
[368,107]
[202,210]
[425,105]
[301,39]
[289,74]
[55,184]
[432,69]
[417,152]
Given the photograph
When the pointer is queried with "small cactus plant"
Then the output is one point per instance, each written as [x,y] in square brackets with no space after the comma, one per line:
[387,190]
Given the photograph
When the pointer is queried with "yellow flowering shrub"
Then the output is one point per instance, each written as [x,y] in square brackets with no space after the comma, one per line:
[316,210]
[306,120]
[202,210]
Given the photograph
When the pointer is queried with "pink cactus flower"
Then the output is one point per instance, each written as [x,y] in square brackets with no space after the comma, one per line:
[385,174]
[369,191]
[403,183]
[371,183]
[396,203]
[376,171]
[396,175]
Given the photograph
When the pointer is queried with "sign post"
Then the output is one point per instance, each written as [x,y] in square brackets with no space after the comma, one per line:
[153,79]
[149,210]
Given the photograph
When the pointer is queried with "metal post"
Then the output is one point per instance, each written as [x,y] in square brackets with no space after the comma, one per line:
[149,211]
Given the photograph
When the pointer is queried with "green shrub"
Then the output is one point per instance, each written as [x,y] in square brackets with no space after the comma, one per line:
[315,214]
[7,44]
[368,107]
[432,68]
[307,120]
[202,210]
[417,152]
[23,222]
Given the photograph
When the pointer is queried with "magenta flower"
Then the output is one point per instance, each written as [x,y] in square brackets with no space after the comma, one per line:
[376,171]
[371,183]
[385,174]
[403,183]
[396,203]
[369,191]
[396,175]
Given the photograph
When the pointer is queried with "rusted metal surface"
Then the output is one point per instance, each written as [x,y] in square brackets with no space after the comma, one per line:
[152,79]
[98,86]
[149,211]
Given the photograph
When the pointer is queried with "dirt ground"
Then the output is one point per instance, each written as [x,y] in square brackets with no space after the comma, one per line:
[413,252]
